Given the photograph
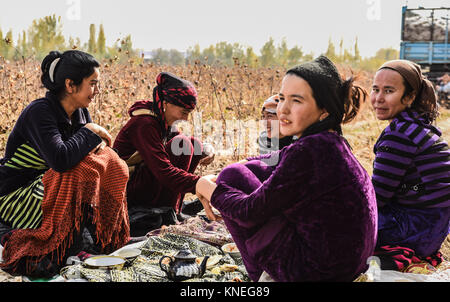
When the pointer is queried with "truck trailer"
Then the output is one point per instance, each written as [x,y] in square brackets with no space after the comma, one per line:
[424,40]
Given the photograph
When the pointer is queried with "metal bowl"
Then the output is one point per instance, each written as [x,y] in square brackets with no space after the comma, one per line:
[231,249]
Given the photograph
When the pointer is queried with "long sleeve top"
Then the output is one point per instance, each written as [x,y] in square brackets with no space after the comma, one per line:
[412,164]
[45,126]
[143,133]
[316,212]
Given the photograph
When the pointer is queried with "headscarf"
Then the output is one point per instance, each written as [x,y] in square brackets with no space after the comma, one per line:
[328,90]
[174,90]
[425,102]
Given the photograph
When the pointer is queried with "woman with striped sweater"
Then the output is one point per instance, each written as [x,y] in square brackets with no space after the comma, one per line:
[411,172]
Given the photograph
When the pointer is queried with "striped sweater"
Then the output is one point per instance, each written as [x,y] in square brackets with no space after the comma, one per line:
[412,164]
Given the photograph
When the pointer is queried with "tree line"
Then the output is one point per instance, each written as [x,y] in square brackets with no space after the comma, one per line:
[45,34]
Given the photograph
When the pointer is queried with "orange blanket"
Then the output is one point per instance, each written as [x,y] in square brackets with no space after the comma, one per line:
[99,181]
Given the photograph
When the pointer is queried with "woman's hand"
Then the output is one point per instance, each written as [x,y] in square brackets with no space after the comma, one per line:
[100,131]
[204,189]
[208,208]
[99,147]
[207,160]
[208,150]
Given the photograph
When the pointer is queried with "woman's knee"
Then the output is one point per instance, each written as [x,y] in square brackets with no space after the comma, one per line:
[232,172]
[238,176]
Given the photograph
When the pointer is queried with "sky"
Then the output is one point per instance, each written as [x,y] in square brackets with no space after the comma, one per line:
[180,24]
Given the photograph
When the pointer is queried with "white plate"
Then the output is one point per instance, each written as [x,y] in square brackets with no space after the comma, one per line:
[104,261]
[128,253]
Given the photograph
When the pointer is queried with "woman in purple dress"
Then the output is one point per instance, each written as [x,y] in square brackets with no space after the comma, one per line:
[411,172]
[306,212]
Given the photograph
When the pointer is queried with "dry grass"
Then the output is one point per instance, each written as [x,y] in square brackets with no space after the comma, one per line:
[225,93]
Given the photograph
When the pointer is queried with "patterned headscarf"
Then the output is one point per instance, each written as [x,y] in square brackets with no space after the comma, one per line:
[174,90]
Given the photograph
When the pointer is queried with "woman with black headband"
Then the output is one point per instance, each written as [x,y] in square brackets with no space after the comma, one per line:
[59,175]
[162,160]
[310,214]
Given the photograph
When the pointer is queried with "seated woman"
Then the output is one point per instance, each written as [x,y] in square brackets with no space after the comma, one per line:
[411,172]
[311,217]
[271,139]
[58,174]
[163,160]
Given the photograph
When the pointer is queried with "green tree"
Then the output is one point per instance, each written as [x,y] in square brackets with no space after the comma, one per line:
[282,53]
[387,54]
[2,44]
[101,41]
[209,55]
[22,47]
[176,57]
[92,47]
[357,55]
[45,35]
[251,59]
[341,49]
[224,53]
[294,56]
[194,53]
[268,52]
[381,56]
[160,56]
[75,43]
[8,46]
[331,50]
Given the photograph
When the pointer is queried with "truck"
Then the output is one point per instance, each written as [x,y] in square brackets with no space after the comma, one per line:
[424,40]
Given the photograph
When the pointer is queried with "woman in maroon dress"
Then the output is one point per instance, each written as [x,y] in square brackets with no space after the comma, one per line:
[162,159]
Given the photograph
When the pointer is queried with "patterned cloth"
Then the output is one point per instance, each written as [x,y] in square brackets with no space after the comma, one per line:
[213,232]
[146,267]
[174,90]
[401,258]
[416,272]
[98,181]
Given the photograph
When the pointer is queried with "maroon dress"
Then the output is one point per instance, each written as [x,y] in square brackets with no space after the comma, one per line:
[164,176]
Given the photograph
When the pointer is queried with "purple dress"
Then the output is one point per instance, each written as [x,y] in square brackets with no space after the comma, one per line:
[310,217]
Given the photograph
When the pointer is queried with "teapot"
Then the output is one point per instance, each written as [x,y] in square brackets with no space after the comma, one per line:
[182,266]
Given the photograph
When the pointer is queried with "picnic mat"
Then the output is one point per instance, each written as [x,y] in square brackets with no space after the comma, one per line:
[146,266]
[212,232]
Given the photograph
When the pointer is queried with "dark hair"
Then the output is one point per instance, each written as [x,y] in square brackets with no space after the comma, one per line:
[342,99]
[353,97]
[426,108]
[73,64]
